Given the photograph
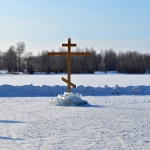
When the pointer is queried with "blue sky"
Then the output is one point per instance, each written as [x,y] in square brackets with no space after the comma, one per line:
[102,24]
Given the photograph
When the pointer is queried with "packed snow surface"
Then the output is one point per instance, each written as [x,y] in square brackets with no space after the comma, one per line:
[106,123]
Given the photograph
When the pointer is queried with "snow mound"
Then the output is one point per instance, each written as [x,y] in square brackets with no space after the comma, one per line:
[68,99]
[45,90]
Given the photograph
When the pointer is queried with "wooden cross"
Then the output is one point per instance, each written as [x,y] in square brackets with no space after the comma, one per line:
[69,53]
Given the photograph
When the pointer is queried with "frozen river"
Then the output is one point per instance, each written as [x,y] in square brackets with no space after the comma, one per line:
[94,80]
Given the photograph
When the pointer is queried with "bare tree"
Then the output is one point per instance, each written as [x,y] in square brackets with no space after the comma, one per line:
[99,62]
[147,62]
[43,62]
[0,60]
[89,62]
[110,60]
[20,50]
[76,62]
[29,62]
[62,61]
[9,59]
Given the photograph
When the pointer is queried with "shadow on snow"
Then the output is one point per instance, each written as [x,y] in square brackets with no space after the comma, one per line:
[95,106]
[85,105]
[9,138]
[11,121]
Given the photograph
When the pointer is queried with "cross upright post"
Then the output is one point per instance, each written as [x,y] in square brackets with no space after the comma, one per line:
[69,54]
[69,45]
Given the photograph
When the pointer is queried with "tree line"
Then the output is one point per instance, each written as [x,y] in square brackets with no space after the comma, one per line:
[14,59]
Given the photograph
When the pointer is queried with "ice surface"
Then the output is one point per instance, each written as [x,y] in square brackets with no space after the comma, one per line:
[94,80]
[68,99]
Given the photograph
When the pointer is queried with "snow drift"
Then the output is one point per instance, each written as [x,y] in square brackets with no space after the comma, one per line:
[51,91]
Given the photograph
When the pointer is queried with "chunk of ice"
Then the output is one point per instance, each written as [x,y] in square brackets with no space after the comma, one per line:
[68,99]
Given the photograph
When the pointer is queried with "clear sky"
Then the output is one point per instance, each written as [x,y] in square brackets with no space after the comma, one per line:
[102,24]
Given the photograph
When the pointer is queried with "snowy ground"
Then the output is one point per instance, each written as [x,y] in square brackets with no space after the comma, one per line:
[110,122]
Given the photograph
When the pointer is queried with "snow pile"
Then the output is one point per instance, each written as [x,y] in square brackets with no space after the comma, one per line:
[47,91]
[68,99]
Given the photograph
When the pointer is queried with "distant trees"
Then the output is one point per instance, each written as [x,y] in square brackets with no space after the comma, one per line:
[14,59]
[132,62]
[110,60]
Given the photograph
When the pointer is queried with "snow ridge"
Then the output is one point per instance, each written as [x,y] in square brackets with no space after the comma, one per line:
[50,91]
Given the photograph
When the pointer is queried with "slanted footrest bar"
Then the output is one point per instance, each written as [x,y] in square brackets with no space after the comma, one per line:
[70,83]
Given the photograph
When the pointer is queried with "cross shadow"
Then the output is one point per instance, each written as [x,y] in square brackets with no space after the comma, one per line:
[95,106]
[11,121]
[85,106]
[9,138]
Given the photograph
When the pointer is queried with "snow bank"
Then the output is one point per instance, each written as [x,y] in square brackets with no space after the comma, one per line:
[42,91]
[68,99]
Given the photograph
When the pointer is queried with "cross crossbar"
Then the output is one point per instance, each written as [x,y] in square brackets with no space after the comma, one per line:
[71,45]
[72,53]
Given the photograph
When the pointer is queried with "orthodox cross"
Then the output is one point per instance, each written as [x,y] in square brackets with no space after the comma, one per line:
[69,54]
